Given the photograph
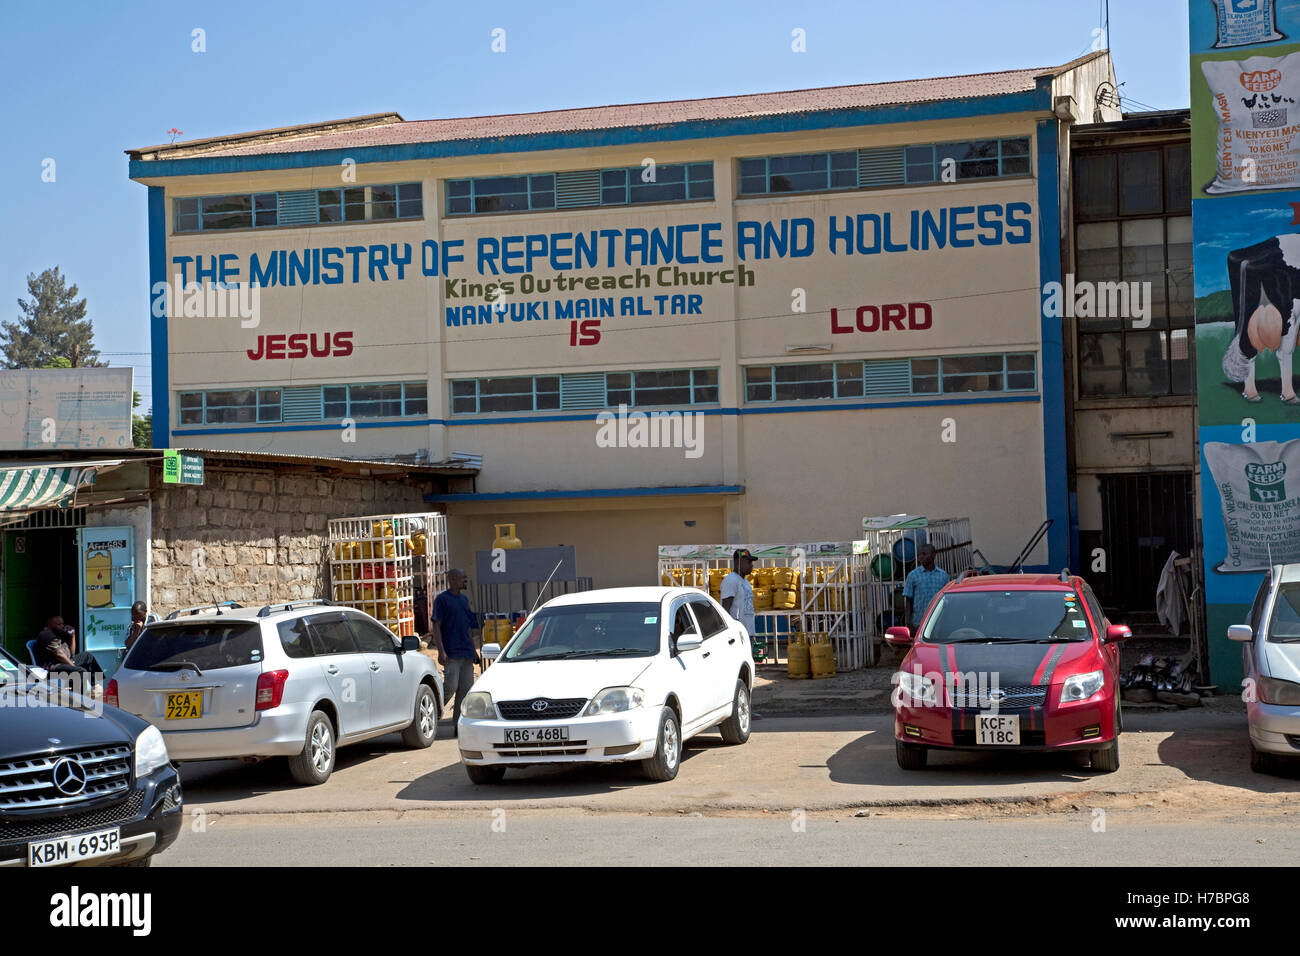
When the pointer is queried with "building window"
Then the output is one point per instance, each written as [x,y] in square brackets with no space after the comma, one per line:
[1133,226]
[802,173]
[886,378]
[250,405]
[629,186]
[500,194]
[386,400]
[305,207]
[975,159]
[529,393]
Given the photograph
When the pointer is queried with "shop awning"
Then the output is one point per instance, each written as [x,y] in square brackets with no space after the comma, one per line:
[27,488]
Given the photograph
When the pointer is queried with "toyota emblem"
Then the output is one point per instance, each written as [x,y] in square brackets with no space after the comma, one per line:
[69,777]
[540,705]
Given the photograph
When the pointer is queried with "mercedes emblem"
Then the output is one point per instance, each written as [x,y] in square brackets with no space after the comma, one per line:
[69,777]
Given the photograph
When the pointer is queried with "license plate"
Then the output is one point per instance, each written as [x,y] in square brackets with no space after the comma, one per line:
[537,735]
[997,731]
[71,849]
[186,706]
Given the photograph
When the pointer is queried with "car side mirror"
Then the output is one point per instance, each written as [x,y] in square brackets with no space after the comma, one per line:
[410,643]
[898,637]
[689,640]
[1116,633]
[1241,632]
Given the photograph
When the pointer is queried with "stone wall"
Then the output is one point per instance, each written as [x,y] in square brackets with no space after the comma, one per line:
[256,536]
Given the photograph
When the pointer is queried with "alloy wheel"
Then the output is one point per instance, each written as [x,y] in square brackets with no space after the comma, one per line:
[322,748]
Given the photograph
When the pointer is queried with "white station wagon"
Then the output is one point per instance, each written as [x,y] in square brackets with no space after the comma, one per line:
[291,680]
[614,675]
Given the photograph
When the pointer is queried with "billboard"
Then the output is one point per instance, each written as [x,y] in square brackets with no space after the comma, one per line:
[1245,99]
[65,408]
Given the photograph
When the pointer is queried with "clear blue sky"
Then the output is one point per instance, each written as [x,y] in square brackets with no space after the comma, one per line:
[81,82]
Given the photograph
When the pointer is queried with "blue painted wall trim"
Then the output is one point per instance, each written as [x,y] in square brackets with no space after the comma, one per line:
[1056,485]
[590,493]
[162,406]
[592,416]
[1026,101]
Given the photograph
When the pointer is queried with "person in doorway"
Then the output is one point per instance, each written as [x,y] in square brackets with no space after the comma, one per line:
[922,584]
[452,627]
[139,614]
[56,651]
[738,597]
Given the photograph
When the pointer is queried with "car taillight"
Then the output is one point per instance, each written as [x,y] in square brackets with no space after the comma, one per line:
[270,688]
[110,693]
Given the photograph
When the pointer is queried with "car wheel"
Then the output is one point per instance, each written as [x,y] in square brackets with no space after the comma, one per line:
[480,774]
[910,756]
[315,763]
[735,729]
[424,725]
[1262,762]
[668,750]
[1106,759]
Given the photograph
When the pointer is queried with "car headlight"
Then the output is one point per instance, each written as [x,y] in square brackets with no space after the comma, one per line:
[1081,686]
[478,706]
[150,751]
[919,688]
[615,700]
[1275,691]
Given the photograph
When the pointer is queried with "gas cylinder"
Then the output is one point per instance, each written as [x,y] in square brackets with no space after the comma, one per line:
[506,539]
[798,665]
[99,579]
[821,656]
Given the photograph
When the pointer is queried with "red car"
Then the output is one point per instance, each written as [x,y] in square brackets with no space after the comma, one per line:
[1010,662]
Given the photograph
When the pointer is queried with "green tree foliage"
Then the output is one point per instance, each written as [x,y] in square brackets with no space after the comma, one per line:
[52,325]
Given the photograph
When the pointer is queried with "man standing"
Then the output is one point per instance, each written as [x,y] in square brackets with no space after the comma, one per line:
[736,594]
[452,623]
[921,585]
[139,615]
[56,651]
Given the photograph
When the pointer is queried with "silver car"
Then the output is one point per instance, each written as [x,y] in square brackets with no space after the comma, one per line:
[1271,659]
[287,680]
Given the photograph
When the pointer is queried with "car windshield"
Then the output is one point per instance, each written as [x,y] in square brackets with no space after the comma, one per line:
[587,631]
[12,671]
[196,646]
[1284,627]
[972,617]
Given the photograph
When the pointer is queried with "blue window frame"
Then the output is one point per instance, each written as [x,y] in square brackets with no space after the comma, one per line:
[939,375]
[681,386]
[639,388]
[631,185]
[500,194]
[381,203]
[230,405]
[799,173]
[522,393]
[375,400]
[971,159]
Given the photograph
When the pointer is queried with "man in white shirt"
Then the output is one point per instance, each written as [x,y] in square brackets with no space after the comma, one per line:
[738,597]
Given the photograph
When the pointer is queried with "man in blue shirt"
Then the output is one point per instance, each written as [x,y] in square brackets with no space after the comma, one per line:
[452,623]
[922,584]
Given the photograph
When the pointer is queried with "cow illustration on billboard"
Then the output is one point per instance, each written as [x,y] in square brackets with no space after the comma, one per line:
[1265,282]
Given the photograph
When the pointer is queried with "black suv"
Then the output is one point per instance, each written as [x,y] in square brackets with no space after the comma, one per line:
[80,783]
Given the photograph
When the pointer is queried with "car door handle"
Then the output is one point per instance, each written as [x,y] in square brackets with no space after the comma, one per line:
[732,641]
[706,653]
[332,669]
[374,666]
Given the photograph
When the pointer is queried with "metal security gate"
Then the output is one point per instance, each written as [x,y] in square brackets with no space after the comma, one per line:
[1144,517]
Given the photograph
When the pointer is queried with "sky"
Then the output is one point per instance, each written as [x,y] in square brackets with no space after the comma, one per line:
[80,83]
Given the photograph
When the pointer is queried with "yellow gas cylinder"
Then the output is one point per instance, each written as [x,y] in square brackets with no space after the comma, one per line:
[783,577]
[763,577]
[715,577]
[798,665]
[822,657]
[99,579]
[762,599]
[666,579]
[506,539]
[783,599]
[418,542]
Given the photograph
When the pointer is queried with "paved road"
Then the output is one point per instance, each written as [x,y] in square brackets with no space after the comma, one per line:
[500,836]
[816,763]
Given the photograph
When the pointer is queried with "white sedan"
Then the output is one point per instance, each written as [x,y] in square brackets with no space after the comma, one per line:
[614,675]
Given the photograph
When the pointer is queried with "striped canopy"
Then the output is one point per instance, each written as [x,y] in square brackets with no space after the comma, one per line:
[31,488]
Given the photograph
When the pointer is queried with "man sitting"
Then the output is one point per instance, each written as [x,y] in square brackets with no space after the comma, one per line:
[56,651]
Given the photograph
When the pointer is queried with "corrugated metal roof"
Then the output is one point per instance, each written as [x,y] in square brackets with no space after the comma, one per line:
[390,129]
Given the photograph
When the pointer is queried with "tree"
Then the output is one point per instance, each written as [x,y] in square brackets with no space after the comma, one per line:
[52,325]
[141,425]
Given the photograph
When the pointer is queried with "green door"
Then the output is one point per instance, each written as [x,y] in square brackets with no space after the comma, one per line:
[40,581]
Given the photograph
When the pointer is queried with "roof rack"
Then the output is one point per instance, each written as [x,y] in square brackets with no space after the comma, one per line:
[270,609]
[1065,575]
[216,605]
